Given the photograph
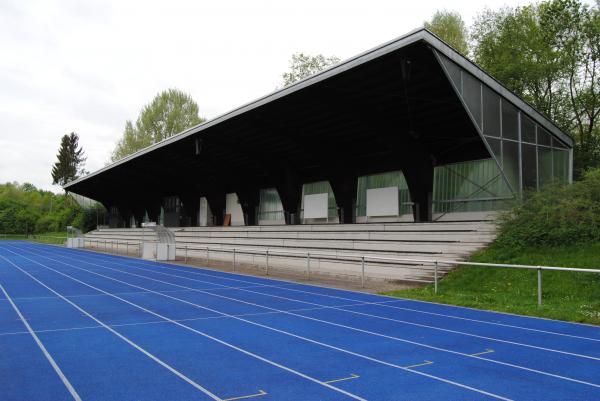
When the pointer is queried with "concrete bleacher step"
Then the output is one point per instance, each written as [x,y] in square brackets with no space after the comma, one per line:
[335,249]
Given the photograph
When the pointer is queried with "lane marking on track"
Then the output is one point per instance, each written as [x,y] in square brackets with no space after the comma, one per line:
[487,351]
[268,361]
[285,286]
[191,319]
[39,343]
[260,393]
[419,364]
[343,379]
[352,311]
[325,322]
[122,337]
[390,364]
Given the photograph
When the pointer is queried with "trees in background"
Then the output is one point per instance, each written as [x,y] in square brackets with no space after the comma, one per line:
[27,209]
[304,65]
[451,28]
[71,160]
[170,112]
[549,54]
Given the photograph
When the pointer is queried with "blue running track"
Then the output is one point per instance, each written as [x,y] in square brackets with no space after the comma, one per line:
[83,325]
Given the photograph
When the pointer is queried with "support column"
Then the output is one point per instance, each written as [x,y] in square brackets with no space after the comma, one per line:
[216,202]
[290,192]
[344,189]
[191,206]
[153,209]
[419,178]
[249,200]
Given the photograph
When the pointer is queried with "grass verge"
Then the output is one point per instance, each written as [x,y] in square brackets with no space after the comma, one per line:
[570,296]
[46,238]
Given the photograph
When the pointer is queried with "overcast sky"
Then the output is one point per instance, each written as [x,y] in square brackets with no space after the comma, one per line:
[87,65]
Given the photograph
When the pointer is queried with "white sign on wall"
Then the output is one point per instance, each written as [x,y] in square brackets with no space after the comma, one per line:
[315,206]
[382,202]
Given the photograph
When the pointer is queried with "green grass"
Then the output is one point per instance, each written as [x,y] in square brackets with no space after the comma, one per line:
[568,296]
[46,238]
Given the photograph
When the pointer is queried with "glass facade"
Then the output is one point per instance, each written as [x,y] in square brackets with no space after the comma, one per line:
[523,155]
[473,186]
[526,155]
[270,208]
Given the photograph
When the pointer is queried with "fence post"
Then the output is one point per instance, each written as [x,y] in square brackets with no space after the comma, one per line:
[186,251]
[207,254]
[362,277]
[127,248]
[435,278]
[267,262]
[539,286]
[308,265]
[140,249]
[233,259]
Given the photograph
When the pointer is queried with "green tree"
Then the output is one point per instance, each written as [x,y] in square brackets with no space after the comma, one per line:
[304,65]
[170,112]
[451,28]
[70,161]
[549,54]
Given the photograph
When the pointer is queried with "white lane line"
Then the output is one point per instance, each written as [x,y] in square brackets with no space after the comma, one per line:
[116,333]
[515,343]
[290,370]
[322,321]
[191,319]
[55,366]
[460,385]
[124,293]
[285,285]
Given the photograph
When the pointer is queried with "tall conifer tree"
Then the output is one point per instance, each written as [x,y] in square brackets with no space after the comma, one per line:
[70,161]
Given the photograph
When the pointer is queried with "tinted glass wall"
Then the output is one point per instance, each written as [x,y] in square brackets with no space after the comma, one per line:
[527,156]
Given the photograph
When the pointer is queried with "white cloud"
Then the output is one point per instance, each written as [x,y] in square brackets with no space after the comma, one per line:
[89,66]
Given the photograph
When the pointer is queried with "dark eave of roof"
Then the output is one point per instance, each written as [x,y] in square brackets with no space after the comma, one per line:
[414,36]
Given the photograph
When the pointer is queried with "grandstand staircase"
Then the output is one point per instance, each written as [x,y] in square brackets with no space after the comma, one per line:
[335,249]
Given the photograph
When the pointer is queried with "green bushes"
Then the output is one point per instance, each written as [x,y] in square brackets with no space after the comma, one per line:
[26,209]
[555,215]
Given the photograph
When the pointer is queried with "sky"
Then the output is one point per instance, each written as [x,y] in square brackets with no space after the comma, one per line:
[88,66]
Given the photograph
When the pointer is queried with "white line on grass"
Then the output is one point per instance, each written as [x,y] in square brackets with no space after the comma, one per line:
[55,366]
[315,319]
[116,333]
[290,370]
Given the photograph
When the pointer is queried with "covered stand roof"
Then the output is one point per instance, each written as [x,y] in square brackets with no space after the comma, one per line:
[389,108]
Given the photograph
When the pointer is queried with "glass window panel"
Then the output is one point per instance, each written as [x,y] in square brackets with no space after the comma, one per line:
[453,71]
[527,129]
[270,205]
[558,144]
[469,186]
[510,163]
[543,137]
[529,165]
[561,165]
[472,96]
[495,145]
[510,121]
[491,112]
[544,165]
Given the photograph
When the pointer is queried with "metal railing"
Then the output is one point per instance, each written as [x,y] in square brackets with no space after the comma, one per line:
[406,263]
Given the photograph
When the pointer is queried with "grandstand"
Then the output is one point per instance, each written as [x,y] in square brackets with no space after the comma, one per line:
[406,150]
